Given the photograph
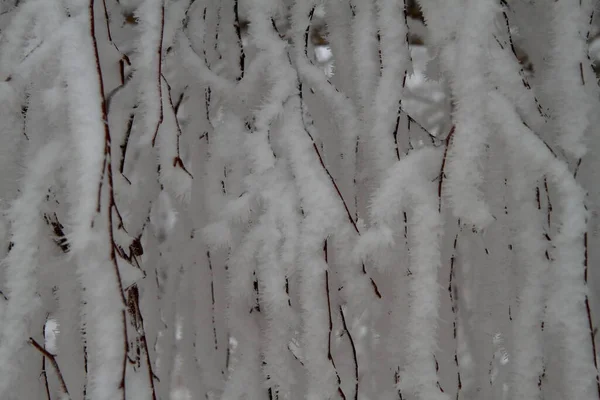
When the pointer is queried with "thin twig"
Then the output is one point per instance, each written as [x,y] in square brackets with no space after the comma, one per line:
[354,355]
[52,358]
[177,162]
[329,356]
[44,363]
[107,171]
[335,186]
[158,78]
[442,168]
[588,309]
[135,299]
[238,31]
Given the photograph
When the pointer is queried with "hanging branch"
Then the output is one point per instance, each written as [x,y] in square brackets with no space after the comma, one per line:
[567,317]
[107,172]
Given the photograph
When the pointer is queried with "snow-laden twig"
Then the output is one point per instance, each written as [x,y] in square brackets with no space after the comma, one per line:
[322,215]
[528,352]
[395,66]
[572,98]
[364,55]
[151,15]
[408,183]
[92,236]
[23,260]
[470,88]
[173,172]
[566,305]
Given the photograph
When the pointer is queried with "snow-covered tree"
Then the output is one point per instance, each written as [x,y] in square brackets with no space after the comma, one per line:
[299,199]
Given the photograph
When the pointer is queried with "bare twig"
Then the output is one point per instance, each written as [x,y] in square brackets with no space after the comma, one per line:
[52,359]
[158,78]
[589,311]
[354,355]
[134,298]
[329,356]
[44,363]
[442,168]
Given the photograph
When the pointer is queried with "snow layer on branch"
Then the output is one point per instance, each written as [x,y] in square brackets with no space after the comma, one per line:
[364,41]
[12,141]
[13,37]
[149,58]
[173,172]
[323,214]
[279,316]
[573,99]
[509,76]
[246,376]
[396,63]
[470,89]
[22,262]
[32,39]
[395,192]
[566,305]
[318,198]
[527,359]
[409,184]
[87,129]
[199,69]
[103,312]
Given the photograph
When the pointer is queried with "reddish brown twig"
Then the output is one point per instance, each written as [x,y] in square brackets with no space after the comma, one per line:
[336,187]
[177,161]
[443,167]
[454,306]
[107,171]
[588,309]
[354,355]
[160,44]
[329,356]
[238,32]
[138,321]
[52,359]
[212,297]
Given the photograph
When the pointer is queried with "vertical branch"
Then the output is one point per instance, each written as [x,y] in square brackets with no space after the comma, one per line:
[470,87]
[238,32]
[158,78]
[138,320]
[453,294]
[354,355]
[589,311]
[44,372]
[408,183]
[329,356]
[108,172]
[212,299]
[151,15]
[567,317]
[572,100]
